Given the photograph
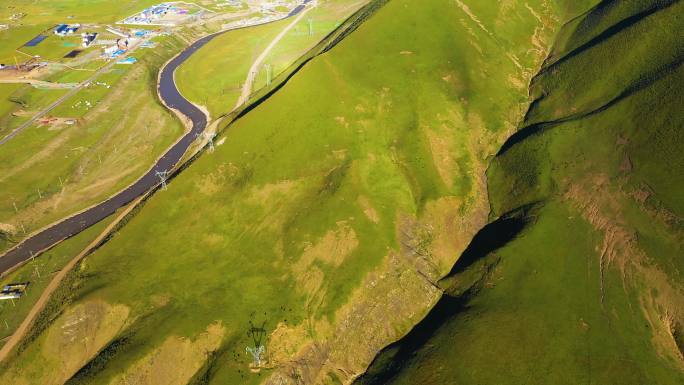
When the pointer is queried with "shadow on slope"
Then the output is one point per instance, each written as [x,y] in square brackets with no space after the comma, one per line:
[462,283]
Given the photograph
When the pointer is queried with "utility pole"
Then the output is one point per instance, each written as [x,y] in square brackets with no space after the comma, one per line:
[16,210]
[39,194]
[268,74]
[310,21]
[209,137]
[162,176]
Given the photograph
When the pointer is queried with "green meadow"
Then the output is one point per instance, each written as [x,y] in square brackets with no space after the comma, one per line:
[51,171]
[590,291]
[317,24]
[40,16]
[325,214]
[448,191]
[214,77]
[39,272]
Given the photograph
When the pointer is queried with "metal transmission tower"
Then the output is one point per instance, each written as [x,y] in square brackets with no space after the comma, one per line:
[257,334]
[256,354]
[209,137]
[269,74]
[163,175]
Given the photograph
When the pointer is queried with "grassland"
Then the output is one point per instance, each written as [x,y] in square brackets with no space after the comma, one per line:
[591,291]
[324,18]
[52,170]
[49,171]
[42,15]
[22,101]
[328,212]
[39,273]
[215,76]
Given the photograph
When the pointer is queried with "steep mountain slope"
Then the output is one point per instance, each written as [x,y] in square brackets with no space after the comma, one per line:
[581,281]
[327,214]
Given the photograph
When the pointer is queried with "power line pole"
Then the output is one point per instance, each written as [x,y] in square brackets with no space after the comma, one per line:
[163,175]
[268,74]
[209,137]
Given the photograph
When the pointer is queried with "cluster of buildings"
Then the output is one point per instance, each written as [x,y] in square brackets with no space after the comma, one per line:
[13,290]
[66,29]
[156,14]
[70,29]
[88,38]
[117,49]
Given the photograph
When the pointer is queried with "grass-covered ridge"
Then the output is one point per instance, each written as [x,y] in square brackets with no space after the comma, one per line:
[329,211]
[591,291]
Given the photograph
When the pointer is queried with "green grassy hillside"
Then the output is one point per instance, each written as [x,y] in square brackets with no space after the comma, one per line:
[589,288]
[214,77]
[327,213]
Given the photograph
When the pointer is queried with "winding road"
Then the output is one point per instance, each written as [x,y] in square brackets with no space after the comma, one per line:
[172,98]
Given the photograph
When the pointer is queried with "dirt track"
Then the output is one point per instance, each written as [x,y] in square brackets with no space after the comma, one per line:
[254,70]
[18,334]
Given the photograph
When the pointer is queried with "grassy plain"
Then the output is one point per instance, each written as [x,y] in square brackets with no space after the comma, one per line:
[39,273]
[22,101]
[111,144]
[50,171]
[214,78]
[327,212]
[324,18]
[39,16]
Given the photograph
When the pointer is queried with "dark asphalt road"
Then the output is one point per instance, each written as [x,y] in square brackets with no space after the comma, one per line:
[80,222]
[74,225]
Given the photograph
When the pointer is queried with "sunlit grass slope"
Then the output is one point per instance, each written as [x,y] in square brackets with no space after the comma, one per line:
[39,272]
[591,291]
[328,212]
[214,76]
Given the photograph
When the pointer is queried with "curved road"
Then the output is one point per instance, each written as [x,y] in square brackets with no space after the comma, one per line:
[79,222]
